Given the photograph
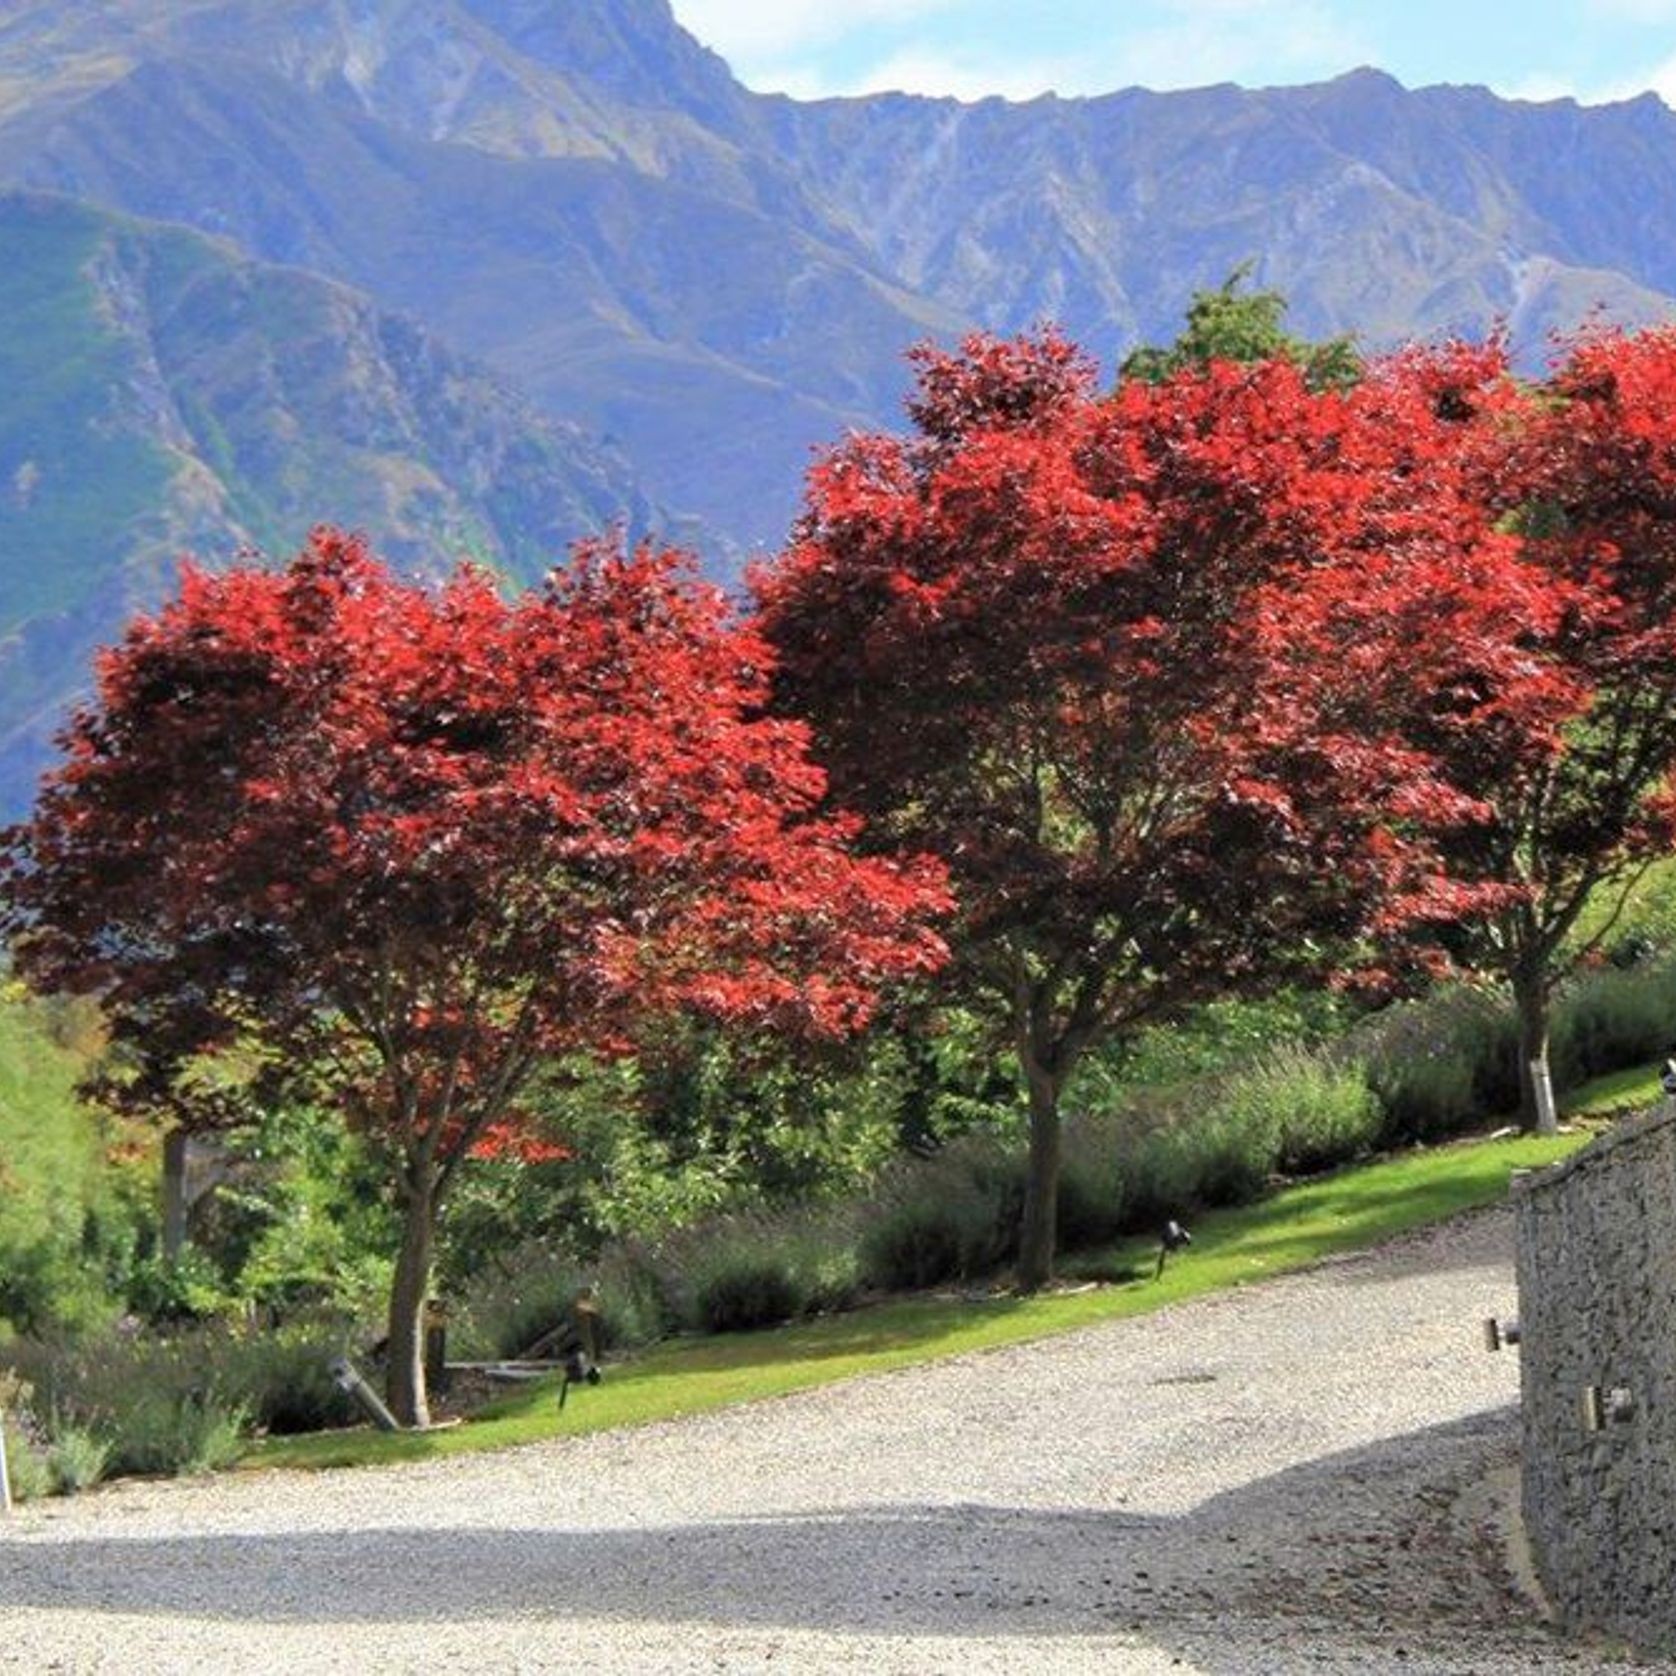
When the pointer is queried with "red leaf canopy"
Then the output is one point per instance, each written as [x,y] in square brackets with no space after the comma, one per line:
[1141,666]
[420,838]
[1582,471]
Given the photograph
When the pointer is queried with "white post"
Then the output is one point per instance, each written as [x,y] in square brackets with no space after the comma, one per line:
[1547,1118]
[5,1482]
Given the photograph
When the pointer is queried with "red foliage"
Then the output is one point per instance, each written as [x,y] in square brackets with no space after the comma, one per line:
[459,832]
[1577,791]
[513,1140]
[1146,670]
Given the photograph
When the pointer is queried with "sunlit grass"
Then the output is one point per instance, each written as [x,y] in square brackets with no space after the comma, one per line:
[1296,1226]
[1635,1089]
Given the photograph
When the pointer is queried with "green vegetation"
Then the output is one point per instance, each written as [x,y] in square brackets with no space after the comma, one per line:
[1633,1090]
[714,1190]
[1197,1120]
[75,478]
[66,1214]
[1232,324]
[1300,1225]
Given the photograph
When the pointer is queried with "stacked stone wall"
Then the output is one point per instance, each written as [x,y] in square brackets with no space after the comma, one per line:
[1597,1311]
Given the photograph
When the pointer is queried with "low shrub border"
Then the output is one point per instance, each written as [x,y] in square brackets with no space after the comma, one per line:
[1298,1225]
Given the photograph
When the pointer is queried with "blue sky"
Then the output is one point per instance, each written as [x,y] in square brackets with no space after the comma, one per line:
[1592,50]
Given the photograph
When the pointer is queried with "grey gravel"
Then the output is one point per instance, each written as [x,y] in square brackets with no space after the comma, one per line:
[1310,1474]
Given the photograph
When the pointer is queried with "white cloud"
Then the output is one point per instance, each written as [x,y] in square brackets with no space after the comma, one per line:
[1249,41]
[1657,78]
[749,30]
[1636,11]
[1538,88]
[1201,41]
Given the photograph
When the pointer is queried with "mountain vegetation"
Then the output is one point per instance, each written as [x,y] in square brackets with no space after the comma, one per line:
[168,395]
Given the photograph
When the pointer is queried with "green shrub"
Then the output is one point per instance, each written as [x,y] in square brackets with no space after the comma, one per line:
[1090,1203]
[746,1271]
[504,1309]
[1216,1141]
[126,1384]
[1611,1018]
[1093,1191]
[634,1306]
[916,1245]
[65,1219]
[1231,1159]
[178,1436]
[27,1472]
[750,1289]
[1441,1064]
[280,1379]
[76,1459]
[1451,1060]
[1161,1174]
[27,1469]
[944,1218]
[1216,1039]
[831,1277]
[187,1288]
[1319,1109]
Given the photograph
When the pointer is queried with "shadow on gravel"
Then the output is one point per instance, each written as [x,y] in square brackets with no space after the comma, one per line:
[1367,1542]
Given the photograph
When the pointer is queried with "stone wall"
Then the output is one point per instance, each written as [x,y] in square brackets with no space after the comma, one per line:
[1597,1308]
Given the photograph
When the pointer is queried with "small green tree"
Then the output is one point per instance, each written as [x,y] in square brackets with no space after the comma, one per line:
[1233,324]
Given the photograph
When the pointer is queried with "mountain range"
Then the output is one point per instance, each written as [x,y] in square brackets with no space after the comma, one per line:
[480,276]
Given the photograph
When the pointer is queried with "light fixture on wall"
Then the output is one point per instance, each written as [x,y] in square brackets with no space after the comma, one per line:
[1603,1406]
[1500,1333]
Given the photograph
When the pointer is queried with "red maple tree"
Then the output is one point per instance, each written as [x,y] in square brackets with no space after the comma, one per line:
[1101,654]
[413,841]
[1575,792]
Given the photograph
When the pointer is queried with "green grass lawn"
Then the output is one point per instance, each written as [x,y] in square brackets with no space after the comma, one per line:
[1296,1226]
[1633,1090]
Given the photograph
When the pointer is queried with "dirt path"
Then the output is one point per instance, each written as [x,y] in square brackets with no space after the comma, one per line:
[1307,1475]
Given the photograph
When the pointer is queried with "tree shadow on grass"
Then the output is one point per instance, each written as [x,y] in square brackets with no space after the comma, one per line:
[1362,1543]
[837,1337]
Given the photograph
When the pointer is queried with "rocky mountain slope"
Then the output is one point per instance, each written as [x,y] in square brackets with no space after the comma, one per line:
[582,194]
[570,191]
[164,393]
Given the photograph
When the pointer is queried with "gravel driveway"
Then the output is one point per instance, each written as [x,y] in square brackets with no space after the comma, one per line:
[1309,1475]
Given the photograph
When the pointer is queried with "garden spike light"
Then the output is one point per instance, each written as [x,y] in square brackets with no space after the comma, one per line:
[579,1347]
[1174,1238]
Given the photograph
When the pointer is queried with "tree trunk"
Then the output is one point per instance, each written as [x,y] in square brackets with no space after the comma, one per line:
[1537,1112]
[1039,1233]
[175,1144]
[404,1382]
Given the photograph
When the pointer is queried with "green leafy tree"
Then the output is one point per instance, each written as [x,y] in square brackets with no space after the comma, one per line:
[1233,324]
